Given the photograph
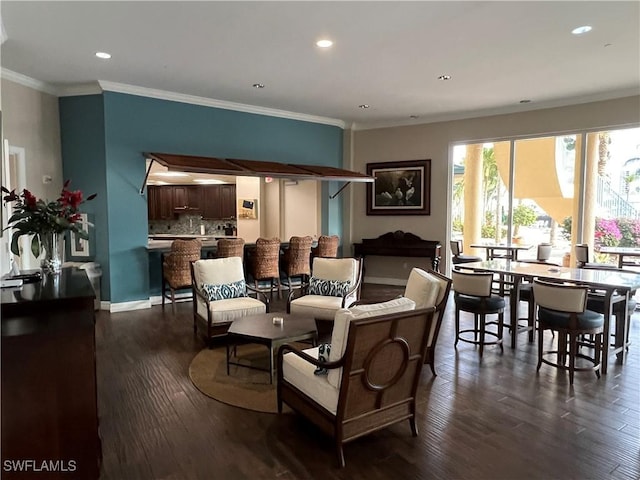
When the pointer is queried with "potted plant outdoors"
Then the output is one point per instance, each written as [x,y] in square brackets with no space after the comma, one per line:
[523,216]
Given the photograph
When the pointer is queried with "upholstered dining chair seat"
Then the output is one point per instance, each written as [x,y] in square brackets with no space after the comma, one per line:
[586,319]
[473,303]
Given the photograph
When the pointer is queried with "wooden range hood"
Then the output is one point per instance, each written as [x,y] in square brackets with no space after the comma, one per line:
[252,168]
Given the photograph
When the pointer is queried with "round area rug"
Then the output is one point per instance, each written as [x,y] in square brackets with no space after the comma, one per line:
[243,387]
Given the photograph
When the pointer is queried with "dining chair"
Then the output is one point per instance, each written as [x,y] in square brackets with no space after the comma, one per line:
[458,257]
[596,302]
[525,289]
[176,274]
[544,252]
[563,308]
[472,294]
[583,256]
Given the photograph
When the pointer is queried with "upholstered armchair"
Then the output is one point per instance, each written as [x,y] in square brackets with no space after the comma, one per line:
[372,372]
[221,295]
[334,284]
[429,289]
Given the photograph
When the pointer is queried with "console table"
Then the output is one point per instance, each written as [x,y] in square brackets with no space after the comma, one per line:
[400,244]
[49,397]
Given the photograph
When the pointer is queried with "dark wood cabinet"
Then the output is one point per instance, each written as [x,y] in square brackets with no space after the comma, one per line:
[213,202]
[219,202]
[49,396]
[228,201]
[160,202]
[211,207]
[187,198]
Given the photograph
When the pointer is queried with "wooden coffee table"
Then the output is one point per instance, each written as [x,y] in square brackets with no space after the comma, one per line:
[261,329]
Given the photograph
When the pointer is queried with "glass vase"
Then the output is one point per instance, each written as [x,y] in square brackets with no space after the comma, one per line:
[53,245]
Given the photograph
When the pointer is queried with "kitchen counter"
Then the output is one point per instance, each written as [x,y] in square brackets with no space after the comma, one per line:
[162,241]
[174,236]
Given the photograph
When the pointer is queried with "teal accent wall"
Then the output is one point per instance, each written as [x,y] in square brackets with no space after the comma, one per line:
[84,163]
[133,125]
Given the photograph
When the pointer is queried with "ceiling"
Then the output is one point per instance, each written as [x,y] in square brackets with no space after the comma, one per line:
[385,54]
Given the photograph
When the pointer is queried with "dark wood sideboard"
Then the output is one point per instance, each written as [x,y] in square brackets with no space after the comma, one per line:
[49,396]
[400,244]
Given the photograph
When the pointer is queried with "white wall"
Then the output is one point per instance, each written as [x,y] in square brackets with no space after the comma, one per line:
[300,208]
[433,141]
[30,120]
[271,211]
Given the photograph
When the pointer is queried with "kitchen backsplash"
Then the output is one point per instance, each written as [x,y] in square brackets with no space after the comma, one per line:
[190,225]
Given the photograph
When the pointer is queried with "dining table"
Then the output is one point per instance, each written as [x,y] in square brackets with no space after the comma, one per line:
[614,285]
[621,253]
[502,250]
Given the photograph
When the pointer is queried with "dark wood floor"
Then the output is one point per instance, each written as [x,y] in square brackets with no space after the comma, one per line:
[495,419]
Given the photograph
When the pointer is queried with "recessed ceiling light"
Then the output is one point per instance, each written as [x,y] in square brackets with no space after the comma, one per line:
[364,105]
[525,101]
[258,85]
[444,77]
[324,43]
[581,30]
[103,55]
[170,174]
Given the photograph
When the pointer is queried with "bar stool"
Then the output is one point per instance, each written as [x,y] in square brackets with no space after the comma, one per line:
[296,260]
[265,265]
[563,308]
[327,246]
[176,268]
[472,293]
[230,247]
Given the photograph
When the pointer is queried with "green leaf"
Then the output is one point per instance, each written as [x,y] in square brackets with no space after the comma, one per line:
[15,248]
[35,246]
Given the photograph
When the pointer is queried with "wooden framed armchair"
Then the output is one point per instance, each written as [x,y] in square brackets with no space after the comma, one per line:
[427,289]
[220,295]
[375,362]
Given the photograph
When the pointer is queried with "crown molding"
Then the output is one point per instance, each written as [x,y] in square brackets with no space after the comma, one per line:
[91,88]
[27,81]
[210,102]
[448,117]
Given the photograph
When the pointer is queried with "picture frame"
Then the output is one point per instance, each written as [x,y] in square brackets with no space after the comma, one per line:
[247,208]
[80,246]
[400,188]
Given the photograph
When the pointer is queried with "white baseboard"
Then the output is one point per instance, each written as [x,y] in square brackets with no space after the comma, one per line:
[180,297]
[128,306]
[386,281]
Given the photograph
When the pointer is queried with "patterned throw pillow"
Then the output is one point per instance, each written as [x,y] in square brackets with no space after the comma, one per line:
[324,349]
[328,288]
[225,291]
